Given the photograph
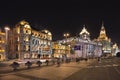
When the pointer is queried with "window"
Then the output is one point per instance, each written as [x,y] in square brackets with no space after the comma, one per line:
[77,47]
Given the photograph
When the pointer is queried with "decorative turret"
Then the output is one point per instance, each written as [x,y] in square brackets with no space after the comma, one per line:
[84,34]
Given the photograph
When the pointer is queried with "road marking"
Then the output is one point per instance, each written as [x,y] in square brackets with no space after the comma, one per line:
[114,65]
[117,70]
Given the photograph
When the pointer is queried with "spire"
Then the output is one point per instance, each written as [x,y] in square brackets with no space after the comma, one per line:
[84,25]
[102,27]
[103,33]
[102,23]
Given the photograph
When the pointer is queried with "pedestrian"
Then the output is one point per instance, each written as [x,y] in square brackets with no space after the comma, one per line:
[77,60]
[58,62]
[62,60]
[86,59]
[47,62]
[99,59]
[53,61]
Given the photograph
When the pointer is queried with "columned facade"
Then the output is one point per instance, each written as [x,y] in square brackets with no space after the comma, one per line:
[61,50]
[2,46]
[82,46]
[31,43]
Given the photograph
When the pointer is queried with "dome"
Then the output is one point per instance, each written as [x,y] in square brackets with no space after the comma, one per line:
[25,24]
[46,32]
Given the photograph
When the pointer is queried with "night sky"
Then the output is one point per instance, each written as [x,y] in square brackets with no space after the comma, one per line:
[67,16]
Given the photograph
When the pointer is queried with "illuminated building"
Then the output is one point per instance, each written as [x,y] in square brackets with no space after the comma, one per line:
[115,49]
[84,34]
[2,46]
[29,43]
[60,50]
[87,47]
[83,46]
[106,42]
[23,42]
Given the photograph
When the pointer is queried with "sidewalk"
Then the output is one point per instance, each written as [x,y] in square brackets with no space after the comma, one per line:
[6,68]
[45,73]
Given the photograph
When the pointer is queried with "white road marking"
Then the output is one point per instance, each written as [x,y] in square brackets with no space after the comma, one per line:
[114,65]
[117,70]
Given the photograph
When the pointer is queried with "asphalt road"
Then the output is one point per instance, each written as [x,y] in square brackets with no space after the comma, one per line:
[107,69]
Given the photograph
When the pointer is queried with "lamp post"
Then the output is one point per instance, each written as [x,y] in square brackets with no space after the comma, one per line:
[66,35]
[6,44]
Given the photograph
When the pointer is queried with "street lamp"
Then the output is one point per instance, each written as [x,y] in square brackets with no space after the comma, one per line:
[6,44]
[66,35]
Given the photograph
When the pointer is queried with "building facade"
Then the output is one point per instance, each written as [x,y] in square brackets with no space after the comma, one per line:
[115,49]
[106,42]
[2,46]
[60,50]
[82,46]
[85,47]
[26,43]
[23,42]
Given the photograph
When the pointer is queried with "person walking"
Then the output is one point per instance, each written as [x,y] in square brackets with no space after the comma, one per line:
[58,62]
[99,59]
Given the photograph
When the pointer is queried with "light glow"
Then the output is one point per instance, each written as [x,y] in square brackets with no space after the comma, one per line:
[84,30]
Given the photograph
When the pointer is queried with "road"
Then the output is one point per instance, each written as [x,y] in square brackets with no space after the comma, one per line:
[107,69]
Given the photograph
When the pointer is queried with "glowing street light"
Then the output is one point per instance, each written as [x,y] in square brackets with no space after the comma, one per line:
[66,35]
